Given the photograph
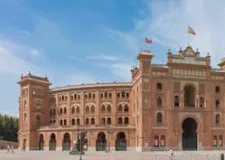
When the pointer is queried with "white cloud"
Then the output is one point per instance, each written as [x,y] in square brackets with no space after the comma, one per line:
[80,78]
[102,57]
[34,52]
[10,61]
[167,24]
[122,70]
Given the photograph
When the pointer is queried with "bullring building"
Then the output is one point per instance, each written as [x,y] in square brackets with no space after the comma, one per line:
[177,105]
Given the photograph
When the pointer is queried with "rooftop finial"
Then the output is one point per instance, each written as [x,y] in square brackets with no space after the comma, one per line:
[207,54]
[180,49]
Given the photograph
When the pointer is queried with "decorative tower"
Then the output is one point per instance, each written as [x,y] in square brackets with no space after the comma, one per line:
[141,78]
[33,109]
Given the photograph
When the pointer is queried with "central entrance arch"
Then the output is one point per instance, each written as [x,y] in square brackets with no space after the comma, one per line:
[189,136]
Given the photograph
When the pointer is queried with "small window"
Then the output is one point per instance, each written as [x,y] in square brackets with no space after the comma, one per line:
[217,104]
[64,122]
[126,120]
[156,141]
[120,120]
[73,121]
[110,95]
[38,120]
[118,95]
[176,101]
[159,102]
[123,94]
[120,108]
[92,109]
[106,94]
[65,110]
[89,95]
[108,120]
[127,95]
[126,108]
[101,95]
[201,102]
[78,121]
[159,117]
[73,110]
[159,86]
[217,119]
[108,109]
[92,121]
[103,108]
[103,120]
[217,89]
[78,110]
[61,122]
[87,121]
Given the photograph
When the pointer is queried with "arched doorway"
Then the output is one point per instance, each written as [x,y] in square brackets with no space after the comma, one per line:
[41,142]
[189,96]
[121,142]
[189,136]
[52,143]
[66,142]
[101,142]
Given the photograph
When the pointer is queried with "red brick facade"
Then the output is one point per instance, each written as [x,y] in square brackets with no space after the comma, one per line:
[179,105]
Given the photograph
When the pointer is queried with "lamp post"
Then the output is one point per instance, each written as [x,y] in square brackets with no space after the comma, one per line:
[108,132]
[81,132]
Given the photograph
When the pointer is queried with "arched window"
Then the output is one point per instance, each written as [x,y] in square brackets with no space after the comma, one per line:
[61,111]
[103,108]
[61,122]
[162,141]
[87,121]
[108,109]
[78,121]
[92,109]
[120,120]
[217,104]
[103,120]
[64,122]
[77,110]
[214,140]
[73,110]
[217,119]
[126,108]
[189,96]
[87,109]
[159,117]
[220,140]
[176,101]
[92,121]
[159,102]
[120,108]
[73,121]
[108,120]
[65,110]
[156,141]
[126,120]
[25,117]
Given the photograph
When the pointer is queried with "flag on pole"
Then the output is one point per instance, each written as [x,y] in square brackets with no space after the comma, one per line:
[191,30]
[148,41]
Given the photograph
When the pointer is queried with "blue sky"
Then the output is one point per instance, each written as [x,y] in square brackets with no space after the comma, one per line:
[85,41]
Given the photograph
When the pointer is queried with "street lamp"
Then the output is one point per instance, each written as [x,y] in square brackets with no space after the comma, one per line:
[108,132]
[81,135]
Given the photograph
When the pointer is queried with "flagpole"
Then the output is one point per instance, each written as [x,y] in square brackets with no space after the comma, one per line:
[188,37]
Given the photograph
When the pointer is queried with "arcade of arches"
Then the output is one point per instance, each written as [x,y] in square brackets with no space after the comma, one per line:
[103,140]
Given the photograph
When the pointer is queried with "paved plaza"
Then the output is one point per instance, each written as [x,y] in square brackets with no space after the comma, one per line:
[59,155]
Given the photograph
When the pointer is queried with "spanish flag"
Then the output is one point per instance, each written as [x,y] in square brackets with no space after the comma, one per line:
[191,30]
[148,41]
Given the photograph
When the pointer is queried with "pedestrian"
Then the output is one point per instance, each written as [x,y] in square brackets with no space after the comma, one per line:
[8,149]
[171,152]
[12,149]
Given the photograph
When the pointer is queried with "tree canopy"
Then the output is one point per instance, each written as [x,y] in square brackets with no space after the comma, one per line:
[8,128]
